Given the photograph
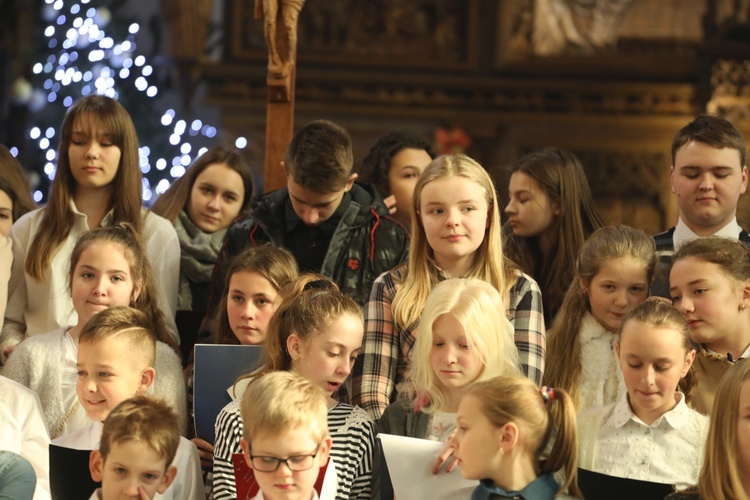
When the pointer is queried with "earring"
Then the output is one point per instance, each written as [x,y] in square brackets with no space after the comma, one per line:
[742,307]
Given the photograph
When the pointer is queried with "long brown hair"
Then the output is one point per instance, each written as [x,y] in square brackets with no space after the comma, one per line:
[125,236]
[560,175]
[515,399]
[276,265]
[720,476]
[421,273]
[175,199]
[563,339]
[106,114]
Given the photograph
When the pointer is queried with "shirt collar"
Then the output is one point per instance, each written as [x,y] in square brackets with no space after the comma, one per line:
[622,414]
[683,234]
[106,221]
[542,488]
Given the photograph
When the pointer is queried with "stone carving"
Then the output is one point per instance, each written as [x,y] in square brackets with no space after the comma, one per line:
[730,81]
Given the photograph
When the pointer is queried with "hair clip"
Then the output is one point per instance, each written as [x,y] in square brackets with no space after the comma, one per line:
[319,284]
[548,394]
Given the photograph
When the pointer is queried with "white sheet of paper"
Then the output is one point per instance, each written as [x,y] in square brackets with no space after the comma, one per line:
[410,465]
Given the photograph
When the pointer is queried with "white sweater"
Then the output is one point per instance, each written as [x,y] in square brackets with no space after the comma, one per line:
[601,378]
[36,307]
[35,363]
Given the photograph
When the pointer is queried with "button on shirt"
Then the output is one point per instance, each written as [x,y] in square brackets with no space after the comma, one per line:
[670,450]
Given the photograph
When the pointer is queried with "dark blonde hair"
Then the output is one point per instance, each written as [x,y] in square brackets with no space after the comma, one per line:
[720,476]
[116,321]
[732,257]
[280,401]
[319,157]
[124,235]
[277,265]
[421,274]
[106,114]
[563,339]
[655,312]
[144,420]
[560,175]
[16,184]
[308,306]
[176,198]
[515,399]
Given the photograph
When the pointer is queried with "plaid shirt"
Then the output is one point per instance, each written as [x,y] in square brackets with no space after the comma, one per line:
[385,350]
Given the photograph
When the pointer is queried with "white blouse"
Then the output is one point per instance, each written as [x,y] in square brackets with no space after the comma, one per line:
[613,441]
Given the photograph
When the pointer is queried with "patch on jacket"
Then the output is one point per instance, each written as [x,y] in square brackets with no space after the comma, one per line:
[353,264]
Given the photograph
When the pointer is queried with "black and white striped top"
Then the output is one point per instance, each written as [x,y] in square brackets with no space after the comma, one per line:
[353,435]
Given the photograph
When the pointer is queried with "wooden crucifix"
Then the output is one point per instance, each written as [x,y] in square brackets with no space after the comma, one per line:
[280,29]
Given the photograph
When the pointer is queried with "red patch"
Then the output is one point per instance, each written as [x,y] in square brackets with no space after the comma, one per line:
[353,264]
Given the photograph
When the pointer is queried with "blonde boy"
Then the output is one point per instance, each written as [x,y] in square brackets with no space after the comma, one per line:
[116,351]
[285,435]
[139,442]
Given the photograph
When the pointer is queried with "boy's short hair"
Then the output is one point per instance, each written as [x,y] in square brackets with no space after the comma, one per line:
[712,130]
[320,158]
[280,401]
[116,321]
[145,420]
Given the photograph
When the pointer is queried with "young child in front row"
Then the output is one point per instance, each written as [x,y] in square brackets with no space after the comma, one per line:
[317,333]
[116,351]
[503,425]
[726,467]
[649,433]
[108,267]
[710,285]
[138,444]
[285,436]
[613,275]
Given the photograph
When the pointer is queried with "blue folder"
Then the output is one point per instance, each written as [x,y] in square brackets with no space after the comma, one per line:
[216,369]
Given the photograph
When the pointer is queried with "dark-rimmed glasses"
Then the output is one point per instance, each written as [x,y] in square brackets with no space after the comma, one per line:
[297,463]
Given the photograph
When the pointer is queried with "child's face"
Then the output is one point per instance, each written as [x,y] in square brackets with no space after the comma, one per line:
[454,214]
[101,279]
[216,197]
[296,445]
[131,470]
[476,442]
[327,357]
[455,365]
[530,210]
[619,286]
[708,183]
[652,360]
[6,213]
[406,167]
[94,159]
[312,207]
[108,374]
[743,430]
[250,305]
[710,301]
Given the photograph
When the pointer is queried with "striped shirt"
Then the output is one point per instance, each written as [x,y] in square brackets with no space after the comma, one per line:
[386,346]
[353,436]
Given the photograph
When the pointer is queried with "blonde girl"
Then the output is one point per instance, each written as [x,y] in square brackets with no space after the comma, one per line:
[726,466]
[710,284]
[649,433]
[317,333]
[202,204]
[455,234]
[551,213]
[613,275]
[503,425]
[108,268]
[97,183]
